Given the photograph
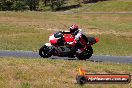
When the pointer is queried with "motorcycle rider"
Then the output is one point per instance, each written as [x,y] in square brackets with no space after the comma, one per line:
[80,40]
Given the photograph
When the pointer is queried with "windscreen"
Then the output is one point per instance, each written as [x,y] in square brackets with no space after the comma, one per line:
[58,35]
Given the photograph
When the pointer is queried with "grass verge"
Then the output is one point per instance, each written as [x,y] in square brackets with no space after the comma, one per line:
[45,73]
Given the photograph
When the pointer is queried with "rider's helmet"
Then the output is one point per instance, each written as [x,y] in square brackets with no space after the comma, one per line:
[74,29]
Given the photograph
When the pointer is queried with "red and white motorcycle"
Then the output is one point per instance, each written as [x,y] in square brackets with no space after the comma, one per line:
[56,47]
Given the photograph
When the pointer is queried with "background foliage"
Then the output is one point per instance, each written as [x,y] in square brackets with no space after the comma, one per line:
[34,5]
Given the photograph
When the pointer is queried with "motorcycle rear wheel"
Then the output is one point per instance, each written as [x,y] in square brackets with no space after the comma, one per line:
[43,52]
[86,54]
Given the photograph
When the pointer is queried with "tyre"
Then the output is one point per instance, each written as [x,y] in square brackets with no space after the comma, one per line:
[44,52]
[86,54]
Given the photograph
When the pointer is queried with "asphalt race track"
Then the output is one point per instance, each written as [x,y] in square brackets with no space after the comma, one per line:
[94,58]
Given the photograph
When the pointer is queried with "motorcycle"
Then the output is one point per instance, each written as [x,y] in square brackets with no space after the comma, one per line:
[57,47]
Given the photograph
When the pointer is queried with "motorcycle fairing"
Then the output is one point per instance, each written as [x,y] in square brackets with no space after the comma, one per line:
[62,49]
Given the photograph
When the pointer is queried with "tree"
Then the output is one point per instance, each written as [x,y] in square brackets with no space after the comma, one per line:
[55,4]
[20,5]
[40,5]
[6,4]
[45,2]
[33,4]
[13,5]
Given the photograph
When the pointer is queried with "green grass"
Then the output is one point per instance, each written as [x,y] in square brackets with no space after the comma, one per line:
[15,37]
[30,30]
[44,73]
[14,29]
[114,45]
[106,6]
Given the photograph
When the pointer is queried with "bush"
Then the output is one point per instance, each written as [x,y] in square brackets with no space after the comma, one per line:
[20,5]
[56,4]
[6,5]
[33,4]
[0,6]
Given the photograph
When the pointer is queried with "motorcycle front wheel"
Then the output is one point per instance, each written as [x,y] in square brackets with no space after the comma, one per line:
[44,52]
[86,54]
